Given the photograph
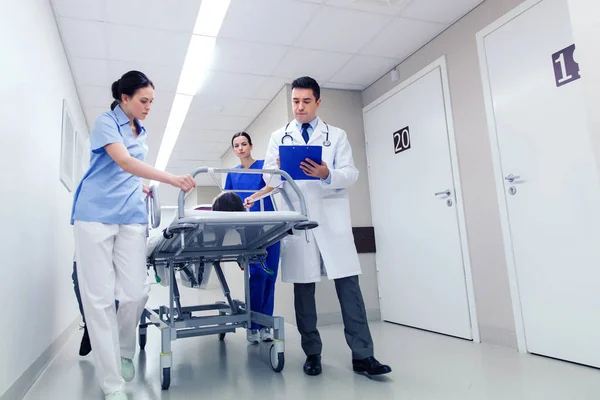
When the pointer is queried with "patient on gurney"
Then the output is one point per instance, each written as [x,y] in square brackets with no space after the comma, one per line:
[193,275]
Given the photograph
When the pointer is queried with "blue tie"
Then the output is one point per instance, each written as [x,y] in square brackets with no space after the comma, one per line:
[305,132]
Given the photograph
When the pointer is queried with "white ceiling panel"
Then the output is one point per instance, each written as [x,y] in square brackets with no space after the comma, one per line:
[187,152]
[83,9]
[91,71]
[165,78]
[189,136]
[215,104]
[341,30]
[247,57]
[343,86]
[402,37]
[83,38]
[361,70]
[442,11]
[231,84]
[156,14]
[144,45]
[392,7]
[320,65]
[270,87]
[267,21]
[219,122]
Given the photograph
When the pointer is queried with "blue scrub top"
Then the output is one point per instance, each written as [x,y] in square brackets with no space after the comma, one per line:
[249,182]
[107,194]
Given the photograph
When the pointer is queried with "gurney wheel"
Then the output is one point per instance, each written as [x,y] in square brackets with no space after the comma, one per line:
[222,336]
[277,359]
[165,378]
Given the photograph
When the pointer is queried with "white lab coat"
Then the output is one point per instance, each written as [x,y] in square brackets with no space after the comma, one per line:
[329,205]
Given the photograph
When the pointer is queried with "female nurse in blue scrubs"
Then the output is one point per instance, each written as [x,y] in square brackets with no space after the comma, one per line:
[109,217]
[262,284]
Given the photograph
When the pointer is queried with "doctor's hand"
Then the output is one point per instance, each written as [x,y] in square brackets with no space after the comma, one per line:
[313,169]
[278,162]
[146,189]
[248,202]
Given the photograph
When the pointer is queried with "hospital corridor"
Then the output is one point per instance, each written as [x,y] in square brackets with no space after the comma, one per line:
[297,199]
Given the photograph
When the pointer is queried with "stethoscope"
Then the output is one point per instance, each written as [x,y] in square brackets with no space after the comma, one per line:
[326,142]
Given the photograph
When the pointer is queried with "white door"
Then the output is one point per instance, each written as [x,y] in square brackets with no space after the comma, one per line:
[552,206]
[415,212]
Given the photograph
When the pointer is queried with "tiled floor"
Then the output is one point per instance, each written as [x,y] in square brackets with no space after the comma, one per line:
[425,366]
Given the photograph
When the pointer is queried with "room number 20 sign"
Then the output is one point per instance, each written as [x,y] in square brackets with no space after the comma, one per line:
[401,140]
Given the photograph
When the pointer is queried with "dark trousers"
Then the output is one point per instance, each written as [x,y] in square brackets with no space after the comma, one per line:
[354,315]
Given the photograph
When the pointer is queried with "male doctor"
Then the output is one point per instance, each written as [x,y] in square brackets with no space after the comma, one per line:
[330,251]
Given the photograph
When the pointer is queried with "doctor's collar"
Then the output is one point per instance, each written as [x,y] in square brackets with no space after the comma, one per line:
[312,123]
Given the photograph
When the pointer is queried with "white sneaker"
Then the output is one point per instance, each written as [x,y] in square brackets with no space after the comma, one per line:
[253,336]
[127,370]
[266,335]
[116,396]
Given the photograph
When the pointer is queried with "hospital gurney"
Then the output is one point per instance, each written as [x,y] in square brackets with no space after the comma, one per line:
[193,242]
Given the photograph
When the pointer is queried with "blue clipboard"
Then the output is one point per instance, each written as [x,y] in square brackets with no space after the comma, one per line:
[290,158]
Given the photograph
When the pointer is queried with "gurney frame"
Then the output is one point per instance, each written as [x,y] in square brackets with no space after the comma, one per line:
[176,322]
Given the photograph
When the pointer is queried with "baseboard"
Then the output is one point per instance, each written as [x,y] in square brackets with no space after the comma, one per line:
[497,336]
[22,385]
[336,318]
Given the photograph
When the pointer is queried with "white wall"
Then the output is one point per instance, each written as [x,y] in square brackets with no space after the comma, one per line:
[458,43]
[585,19]
[37,242]
[206,194]
[343,109]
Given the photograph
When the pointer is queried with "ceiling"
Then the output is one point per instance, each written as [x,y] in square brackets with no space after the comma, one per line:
[262,44]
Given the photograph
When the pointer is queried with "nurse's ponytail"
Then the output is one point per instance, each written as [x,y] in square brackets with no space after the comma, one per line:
[129,84]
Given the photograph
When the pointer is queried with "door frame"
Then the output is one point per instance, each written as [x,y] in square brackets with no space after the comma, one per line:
[462,226]
[498,173]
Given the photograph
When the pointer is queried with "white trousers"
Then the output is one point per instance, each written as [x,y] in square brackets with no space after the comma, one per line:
[111,264]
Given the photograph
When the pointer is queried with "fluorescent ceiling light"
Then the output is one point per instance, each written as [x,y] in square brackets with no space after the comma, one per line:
[179,111]
[197,61]
[196,64]
[210,17]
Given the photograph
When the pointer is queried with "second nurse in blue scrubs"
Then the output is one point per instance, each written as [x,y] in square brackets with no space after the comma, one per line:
[262,284]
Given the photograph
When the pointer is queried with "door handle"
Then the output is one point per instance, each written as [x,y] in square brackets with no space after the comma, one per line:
[446,192]
[511,178]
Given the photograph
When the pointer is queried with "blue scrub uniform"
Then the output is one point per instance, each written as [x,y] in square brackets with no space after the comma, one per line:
[262,285]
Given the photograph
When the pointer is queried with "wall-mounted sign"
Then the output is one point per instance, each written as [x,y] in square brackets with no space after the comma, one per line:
[401,140]
[566,70]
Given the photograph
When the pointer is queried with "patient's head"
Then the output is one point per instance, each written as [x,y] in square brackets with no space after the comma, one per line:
[228,201]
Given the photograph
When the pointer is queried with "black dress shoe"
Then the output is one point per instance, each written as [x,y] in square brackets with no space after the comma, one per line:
[312,366]
[370,366]
[86,346]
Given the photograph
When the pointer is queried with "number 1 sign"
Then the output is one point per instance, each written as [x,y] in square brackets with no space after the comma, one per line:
[566,70]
